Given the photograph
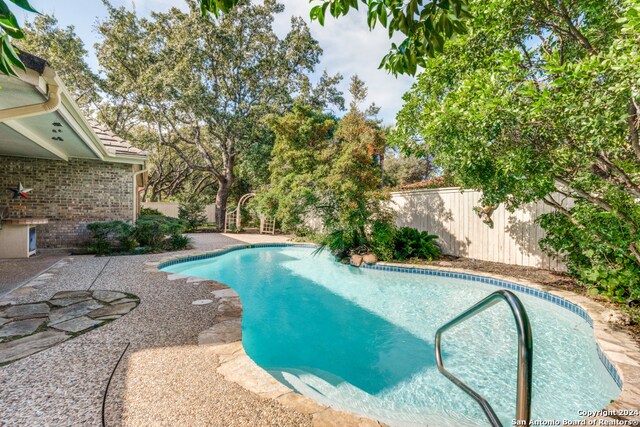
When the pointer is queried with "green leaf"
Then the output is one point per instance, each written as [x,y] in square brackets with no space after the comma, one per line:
[24,4]
[7,57]
[11,55]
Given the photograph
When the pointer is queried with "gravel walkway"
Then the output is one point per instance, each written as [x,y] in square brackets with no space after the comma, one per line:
[164,378]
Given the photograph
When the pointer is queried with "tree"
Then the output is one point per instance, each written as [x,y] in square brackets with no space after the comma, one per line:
[206,95]
[425,24]
[65,51]
[540,102]
[400,170]
[329,171]
[354,180]
[298,167]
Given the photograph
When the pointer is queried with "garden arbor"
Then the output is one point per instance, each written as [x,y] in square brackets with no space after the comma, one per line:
[233,218]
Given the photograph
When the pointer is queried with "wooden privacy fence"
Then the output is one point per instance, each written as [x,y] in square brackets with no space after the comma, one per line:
[449,213]
[171,209]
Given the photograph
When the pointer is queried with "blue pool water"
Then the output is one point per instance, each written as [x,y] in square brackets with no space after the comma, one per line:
[363,340]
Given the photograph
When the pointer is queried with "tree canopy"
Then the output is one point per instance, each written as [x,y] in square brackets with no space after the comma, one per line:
[206,85]
[426,25]
[330,170]
[540,102]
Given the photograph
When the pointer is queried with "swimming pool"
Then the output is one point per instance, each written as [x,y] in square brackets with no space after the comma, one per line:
[362,340]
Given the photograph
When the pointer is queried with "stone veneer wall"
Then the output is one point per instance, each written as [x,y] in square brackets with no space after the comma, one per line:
[70,194]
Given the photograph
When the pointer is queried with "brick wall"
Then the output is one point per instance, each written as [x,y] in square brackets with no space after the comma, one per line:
[70,194]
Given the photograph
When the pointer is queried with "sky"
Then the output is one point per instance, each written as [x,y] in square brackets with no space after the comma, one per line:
[349,47]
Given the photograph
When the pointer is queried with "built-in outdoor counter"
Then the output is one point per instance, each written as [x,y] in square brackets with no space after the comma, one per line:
[18,237]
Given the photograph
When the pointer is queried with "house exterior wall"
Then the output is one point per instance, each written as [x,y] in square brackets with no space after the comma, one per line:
[69,194]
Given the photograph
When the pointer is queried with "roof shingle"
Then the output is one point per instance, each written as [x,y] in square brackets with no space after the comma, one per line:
[114,143]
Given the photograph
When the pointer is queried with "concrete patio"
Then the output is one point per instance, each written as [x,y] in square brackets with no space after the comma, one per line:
[164,376]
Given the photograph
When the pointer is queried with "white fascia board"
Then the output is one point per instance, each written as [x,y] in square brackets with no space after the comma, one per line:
[74,117]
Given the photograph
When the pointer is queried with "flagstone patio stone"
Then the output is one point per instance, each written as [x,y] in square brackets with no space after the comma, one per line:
[26,311]
[69,315]
[71,294]
[108,296]
[113,310]
[72,311]
[77,325]
[125,300]
[64,302]
[26,346]
[20,327]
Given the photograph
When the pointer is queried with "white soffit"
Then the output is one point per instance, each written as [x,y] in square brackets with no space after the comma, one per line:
[13,143]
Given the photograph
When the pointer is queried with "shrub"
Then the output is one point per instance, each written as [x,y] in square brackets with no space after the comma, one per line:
[149,211]
[192,213]
[111,236]
[411,243]
[383,236]
[595,249]
[168,224]
[151,230]
[149,233]
[177,242]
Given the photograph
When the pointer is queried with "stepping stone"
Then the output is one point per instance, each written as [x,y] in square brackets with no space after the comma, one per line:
[108,296]
[63,302]
[202,302]
[76,325]
[26,346]
[21,327]
[112,310]
[73,311]
[26,311]
[71,294]
[225,293]
[177,276]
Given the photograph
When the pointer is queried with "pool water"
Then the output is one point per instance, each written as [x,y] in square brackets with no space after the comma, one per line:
[362,340]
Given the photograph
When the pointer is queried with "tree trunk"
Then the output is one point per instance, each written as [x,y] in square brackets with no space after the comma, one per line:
[224,188]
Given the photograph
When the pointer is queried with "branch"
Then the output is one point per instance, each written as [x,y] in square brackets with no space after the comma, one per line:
[585,195]
[573,30]
[632,124]
[183,155]
[627,184]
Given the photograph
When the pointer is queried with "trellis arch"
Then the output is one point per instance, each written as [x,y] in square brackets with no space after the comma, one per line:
[267,224]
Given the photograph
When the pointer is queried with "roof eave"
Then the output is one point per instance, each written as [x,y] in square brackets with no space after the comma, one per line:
[40,76]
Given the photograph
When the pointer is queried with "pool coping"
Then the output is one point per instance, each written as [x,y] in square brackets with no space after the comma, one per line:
[616,347]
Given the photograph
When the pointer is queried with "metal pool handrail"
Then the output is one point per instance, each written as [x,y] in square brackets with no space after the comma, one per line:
[525,356]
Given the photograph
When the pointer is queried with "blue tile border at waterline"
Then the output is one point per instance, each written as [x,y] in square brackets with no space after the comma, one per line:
[613,371]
